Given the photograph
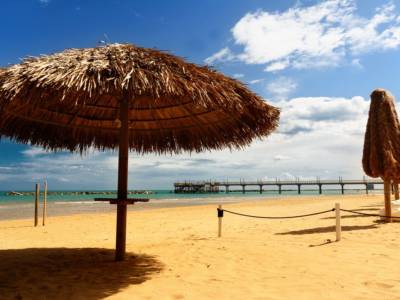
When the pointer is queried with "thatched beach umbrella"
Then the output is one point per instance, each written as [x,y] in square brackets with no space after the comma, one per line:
[381,154]
[131,98]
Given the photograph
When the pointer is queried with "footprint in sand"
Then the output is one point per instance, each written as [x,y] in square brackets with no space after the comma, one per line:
[379,284]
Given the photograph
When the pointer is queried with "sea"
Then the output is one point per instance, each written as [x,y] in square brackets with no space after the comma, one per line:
[159,195]
[60,203]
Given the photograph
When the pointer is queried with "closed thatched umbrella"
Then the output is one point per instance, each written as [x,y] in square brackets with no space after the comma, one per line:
[381,155]
[131,98]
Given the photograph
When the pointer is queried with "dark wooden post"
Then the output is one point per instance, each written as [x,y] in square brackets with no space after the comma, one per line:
[261,188]
[299,189]
[280,188]
[37,195]
[342,188]
[122,181]
[396,190]
[320,188]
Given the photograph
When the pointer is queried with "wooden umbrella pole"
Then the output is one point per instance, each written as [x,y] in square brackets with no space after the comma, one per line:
[388,207]
[122,181]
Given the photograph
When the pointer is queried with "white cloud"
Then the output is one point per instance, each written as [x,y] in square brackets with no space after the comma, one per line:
[34,151]
[282,87]
[254,81]
[316,36]
[44,1]
[323,114]
[238,75]
[281,157]
[224,54]
[277,65]
[356,63]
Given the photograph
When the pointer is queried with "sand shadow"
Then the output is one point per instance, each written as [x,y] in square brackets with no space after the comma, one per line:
[362,209]
[327,242]
[377,206]
[348,217]
[69,273]
[327,229]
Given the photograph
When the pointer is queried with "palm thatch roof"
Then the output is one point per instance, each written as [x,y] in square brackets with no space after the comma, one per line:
[381,154]
[70,100]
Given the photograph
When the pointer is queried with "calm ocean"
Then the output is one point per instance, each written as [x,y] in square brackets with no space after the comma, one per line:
[67,196]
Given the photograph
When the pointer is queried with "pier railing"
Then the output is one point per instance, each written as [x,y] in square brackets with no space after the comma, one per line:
[189,186]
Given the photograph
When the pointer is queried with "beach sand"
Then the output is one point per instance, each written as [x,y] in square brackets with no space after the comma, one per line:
[174,253]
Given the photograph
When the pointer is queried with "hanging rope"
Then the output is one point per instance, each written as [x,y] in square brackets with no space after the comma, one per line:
[263,217]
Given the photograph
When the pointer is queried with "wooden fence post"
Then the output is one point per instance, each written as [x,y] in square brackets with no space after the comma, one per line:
[44,203]
[338,226]
[220,215]
[37,191]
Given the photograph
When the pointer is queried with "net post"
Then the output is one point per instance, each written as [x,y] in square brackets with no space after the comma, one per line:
[338,226]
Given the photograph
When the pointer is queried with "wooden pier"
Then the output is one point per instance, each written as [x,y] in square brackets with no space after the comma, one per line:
[215,186]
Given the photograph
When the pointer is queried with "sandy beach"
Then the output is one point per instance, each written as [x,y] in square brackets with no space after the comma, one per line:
[174,254]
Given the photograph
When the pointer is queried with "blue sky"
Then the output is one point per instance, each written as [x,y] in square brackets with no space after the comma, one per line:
[317,60]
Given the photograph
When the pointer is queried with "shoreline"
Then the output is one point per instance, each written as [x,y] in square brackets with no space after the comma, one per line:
[24,210]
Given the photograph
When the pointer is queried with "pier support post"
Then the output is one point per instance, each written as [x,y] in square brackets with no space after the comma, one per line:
[226,188]
[243,189]
[366,188]
[261,189]
[299,189]
[280,188]
[320,188]
[342,188]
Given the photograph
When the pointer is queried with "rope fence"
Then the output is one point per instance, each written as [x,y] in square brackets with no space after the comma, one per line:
[336,209]
[286,217]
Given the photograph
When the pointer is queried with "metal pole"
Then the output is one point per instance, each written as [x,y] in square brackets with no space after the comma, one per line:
[122,181]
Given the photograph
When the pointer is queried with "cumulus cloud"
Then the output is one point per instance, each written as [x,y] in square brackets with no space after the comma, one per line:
[324,114]
[320,35]
[224,54]
[317,136]
[282,87]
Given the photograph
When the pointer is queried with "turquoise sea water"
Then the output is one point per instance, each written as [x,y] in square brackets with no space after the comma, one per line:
[65,196]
